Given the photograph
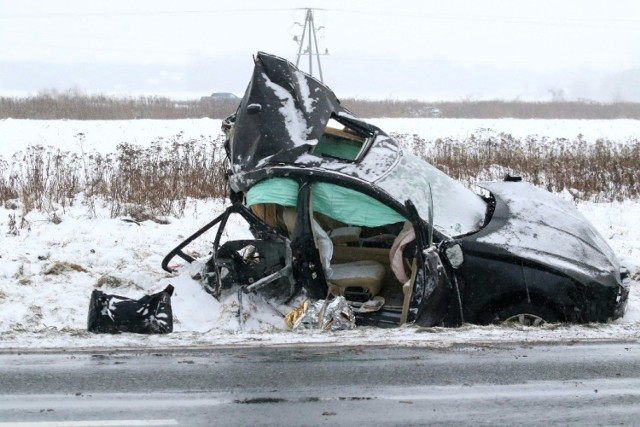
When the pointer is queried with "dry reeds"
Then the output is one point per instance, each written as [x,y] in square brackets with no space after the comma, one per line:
[71,105]
[135,181]
[147,183]
[494,109]
[101,107]
[600,171]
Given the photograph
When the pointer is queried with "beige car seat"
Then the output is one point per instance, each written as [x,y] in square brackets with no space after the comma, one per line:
[364,274]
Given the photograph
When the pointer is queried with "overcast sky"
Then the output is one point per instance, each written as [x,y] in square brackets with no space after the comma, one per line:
[474,49]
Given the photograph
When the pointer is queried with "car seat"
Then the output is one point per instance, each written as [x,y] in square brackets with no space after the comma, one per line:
[360,277]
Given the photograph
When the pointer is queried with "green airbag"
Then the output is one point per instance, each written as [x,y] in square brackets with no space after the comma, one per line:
[342,204]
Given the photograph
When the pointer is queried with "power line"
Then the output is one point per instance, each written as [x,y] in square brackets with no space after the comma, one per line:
[309,36]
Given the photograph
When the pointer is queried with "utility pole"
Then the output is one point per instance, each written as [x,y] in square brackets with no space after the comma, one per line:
[309,36]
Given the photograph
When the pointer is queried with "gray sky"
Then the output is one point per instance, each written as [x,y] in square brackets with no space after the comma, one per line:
[474,49]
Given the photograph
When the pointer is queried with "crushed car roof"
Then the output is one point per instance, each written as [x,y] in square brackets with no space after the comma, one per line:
[283,120]
[283,115]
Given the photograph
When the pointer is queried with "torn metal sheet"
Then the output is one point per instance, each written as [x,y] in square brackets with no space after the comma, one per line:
[283,115]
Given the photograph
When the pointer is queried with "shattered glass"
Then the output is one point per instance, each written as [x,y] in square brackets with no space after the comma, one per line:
[456,209]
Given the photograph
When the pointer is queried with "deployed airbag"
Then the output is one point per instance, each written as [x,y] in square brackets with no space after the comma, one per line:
[340,203]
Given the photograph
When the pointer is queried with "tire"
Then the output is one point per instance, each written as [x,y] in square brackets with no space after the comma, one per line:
[525,314]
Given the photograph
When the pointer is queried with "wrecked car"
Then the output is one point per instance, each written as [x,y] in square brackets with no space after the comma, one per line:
[336,207]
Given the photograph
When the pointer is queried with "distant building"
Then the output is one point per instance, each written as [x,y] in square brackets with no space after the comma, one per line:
[223,95]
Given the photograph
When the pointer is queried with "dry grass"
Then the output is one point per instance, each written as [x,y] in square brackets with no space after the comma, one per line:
[60,267]
[600,171]
[143,183]
[72,105]
[102,107]
[149,183]
[110,281]
[494,109]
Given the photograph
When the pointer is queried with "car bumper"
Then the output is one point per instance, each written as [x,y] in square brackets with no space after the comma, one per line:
[622,298]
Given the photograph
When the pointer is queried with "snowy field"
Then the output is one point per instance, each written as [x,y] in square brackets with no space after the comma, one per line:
[47,271]
[104,135]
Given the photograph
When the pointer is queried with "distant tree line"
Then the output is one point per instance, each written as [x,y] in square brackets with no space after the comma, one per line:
[495,109]
[102,107]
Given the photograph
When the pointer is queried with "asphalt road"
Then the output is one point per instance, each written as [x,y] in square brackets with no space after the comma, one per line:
[580,384]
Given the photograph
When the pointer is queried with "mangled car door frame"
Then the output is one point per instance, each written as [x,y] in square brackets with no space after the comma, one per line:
[253,264]
[307,266]
[427,298]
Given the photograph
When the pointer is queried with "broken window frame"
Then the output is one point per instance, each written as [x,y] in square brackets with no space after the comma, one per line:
[366,134]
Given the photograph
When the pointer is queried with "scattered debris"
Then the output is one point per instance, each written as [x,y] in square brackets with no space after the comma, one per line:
[113,314]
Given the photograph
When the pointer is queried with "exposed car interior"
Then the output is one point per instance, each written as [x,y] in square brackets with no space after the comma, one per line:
[360,262]
[361,242]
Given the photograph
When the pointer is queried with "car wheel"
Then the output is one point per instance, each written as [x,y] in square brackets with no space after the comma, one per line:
[526,315]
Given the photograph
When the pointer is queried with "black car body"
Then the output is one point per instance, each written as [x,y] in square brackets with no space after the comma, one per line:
[337,207]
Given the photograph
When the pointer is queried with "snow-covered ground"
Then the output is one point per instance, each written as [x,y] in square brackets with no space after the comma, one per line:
[104,135]
[48,270]
[459,129]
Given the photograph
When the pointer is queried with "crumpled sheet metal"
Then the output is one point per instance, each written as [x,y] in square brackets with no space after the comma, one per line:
[334,315]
